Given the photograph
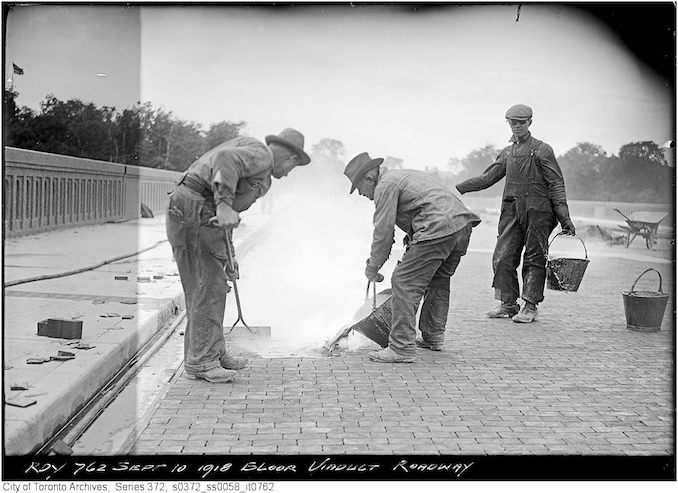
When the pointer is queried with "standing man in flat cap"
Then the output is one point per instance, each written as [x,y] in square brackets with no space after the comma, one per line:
[533,200]
[202,213]
[438,228]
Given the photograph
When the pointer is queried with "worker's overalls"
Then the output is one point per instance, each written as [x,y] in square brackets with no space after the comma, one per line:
[199,251]
[526,221]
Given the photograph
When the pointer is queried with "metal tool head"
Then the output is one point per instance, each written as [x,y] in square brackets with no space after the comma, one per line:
[242,332]
[248,332]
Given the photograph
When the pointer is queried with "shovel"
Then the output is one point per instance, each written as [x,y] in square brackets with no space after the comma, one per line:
[243,331]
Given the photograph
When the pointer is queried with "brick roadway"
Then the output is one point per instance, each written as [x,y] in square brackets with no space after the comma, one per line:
[575,382]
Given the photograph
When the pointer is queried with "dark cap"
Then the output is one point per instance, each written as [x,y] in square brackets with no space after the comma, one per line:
[519,112]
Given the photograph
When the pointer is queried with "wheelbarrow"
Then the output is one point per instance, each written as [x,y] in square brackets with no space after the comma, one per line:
[644,224]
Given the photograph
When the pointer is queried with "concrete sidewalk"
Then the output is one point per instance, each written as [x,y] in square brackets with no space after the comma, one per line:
[119,315]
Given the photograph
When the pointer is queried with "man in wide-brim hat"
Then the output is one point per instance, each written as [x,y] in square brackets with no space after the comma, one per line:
[202,213]
[438,228]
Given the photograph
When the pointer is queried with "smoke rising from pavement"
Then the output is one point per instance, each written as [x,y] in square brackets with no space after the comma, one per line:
[305,277]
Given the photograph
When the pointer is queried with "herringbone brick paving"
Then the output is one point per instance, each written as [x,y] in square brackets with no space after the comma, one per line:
[575,382]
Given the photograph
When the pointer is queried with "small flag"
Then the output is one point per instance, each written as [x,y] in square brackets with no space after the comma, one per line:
[17,70]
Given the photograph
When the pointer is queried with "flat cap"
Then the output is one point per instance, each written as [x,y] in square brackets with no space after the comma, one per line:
[519,112]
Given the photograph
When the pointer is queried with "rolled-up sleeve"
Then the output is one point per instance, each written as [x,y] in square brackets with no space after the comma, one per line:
[386,205]
[495,172]
[553,176]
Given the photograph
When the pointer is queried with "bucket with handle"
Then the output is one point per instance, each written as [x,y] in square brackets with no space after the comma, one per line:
[377,325]
[566,274]
[645,309]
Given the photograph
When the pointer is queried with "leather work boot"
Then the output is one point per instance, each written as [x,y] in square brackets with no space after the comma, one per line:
[504,310]
[526,315]
[388,355]
[214,375]
[230,362]
[428,345]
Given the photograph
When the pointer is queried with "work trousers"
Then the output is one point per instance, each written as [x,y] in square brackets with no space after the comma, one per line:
[424,272]
[199,251]
[521,228]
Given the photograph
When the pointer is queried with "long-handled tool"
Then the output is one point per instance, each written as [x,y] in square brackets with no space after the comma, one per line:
[244,331]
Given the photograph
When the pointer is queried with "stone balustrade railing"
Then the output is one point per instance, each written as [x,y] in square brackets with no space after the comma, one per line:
[43,191]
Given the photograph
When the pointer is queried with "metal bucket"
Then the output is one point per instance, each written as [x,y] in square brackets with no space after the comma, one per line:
[645,309]
[377,325]
[566,274]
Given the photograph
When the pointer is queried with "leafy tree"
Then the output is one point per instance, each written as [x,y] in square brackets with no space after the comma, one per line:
[141,135]
[474,164]
[642,153]
[156,129]
[74,128]
[18,130]
[167,142]
[9,116]
[127,135]
[325,173]
[331,148]
[582,166]
[642,174]
[221,132]
[185,145]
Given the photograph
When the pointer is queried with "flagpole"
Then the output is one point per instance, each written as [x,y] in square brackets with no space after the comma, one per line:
[11,86]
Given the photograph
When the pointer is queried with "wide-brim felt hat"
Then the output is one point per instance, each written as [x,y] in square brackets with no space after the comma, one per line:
[358,167]
[293,140]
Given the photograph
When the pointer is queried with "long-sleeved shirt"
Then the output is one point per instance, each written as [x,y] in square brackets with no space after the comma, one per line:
[521,169]
[419,205]
[237,172]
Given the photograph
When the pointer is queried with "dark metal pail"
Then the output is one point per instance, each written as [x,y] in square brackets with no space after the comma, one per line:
[377,325]
[566,274]
[645,309]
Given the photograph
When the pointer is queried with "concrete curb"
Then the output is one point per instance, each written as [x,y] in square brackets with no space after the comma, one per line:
[40,422]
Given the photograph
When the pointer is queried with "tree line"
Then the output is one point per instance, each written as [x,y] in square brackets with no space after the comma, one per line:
[153,137]
[141,135]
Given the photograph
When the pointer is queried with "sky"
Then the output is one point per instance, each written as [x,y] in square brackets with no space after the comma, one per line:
[423,86]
